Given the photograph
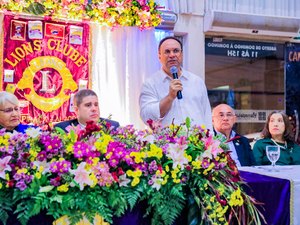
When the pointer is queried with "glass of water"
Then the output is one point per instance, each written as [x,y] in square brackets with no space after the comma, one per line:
[273,153]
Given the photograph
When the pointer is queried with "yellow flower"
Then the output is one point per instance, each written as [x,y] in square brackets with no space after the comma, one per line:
[189,158]
[69,148]
[236,198]
[167,168]
[102,143]
[38,175]
[95,161]
[94,179]
[4,140]
[137,173]
[129,173]
[33,153]
[176,181]
[196,164]
[155,151]
[24,170]
[208,207]
[63,188]
[135,181]
[138,156]
[173,175]
[165,180]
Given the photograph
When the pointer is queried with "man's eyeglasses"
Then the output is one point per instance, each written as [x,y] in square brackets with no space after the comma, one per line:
[223,115]
[175,51]
[10,110]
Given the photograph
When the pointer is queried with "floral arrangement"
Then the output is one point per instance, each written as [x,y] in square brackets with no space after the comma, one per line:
[113,13]
[108,172]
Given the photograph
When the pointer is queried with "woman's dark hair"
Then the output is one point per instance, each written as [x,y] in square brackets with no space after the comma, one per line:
[168,38]
[287,134]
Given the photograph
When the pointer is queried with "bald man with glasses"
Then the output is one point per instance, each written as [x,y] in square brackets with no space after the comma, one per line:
[223,119]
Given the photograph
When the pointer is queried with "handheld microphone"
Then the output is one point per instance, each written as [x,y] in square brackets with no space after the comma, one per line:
[174,72]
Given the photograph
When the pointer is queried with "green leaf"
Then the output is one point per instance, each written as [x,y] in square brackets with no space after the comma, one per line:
[3,216]
[46,188]
[188,122]
[56,198]
[36,8]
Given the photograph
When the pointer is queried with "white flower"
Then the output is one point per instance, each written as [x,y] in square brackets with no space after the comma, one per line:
[123,180]
[157,181]
[149,138]
[176,153]
[45,167]
[33,132]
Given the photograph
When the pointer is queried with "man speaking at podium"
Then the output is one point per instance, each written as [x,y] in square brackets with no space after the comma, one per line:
[174,93]
[86,107]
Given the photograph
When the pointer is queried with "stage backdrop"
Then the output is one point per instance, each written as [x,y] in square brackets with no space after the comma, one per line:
[43,63]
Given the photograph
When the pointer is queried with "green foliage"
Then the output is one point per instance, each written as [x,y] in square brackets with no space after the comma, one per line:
[3,216]
[166,205]
[35,8]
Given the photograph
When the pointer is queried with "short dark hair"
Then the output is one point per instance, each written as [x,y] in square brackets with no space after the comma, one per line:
[167,38]
[287,134]
[78,97]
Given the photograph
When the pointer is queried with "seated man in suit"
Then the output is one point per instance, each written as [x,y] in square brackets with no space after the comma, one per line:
[223,118]
[86,107]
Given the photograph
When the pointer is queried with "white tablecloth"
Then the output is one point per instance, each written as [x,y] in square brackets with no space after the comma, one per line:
[291,173]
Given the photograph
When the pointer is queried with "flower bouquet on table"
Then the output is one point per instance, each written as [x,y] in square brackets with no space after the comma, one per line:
[100,171]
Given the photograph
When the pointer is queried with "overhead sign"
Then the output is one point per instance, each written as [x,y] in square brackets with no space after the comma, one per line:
[242,49]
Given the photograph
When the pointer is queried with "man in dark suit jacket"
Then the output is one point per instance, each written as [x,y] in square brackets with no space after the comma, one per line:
[86,107]
[223,118]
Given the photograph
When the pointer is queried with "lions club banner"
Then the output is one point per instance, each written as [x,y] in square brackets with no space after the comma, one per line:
[44,63]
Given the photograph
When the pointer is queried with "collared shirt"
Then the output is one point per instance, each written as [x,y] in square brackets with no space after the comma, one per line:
[194,103]
[231,146]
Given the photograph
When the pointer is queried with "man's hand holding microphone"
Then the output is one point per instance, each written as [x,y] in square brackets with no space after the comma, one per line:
[176,85]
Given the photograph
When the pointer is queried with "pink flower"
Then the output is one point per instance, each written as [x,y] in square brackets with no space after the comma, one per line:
[82,176]
[142,2]
[212,147]
[176,153]
[4,166]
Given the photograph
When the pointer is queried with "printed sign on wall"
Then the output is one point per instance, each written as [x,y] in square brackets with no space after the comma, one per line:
[252,116]
[44,62]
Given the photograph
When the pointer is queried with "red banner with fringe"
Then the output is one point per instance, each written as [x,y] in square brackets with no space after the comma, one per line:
[44,63]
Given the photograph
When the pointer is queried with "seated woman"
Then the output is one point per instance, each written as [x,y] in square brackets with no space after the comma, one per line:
[10,113]
[277,131]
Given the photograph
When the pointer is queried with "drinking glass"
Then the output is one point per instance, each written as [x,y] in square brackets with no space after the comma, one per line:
[273,153]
